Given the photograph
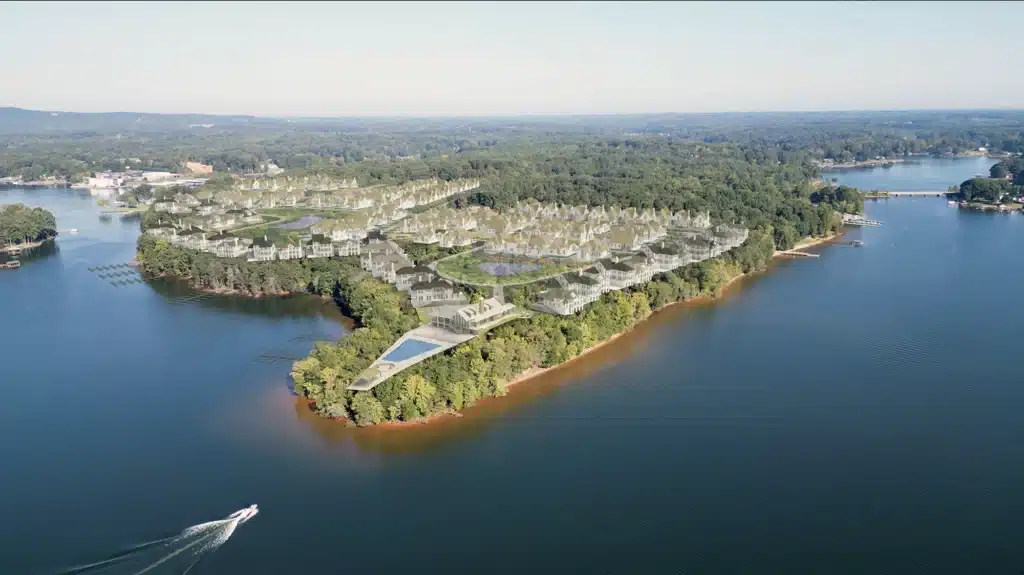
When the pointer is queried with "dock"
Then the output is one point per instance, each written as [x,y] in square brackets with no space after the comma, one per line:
[882,194]
[799,254]
[850,220]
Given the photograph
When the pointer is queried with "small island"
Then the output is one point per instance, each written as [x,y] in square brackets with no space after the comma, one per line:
[22,227]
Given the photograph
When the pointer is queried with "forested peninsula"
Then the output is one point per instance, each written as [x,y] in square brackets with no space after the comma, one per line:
[777,202]
[21,225]
[1002,190]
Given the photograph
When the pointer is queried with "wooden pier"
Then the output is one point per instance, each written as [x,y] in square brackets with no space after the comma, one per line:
[799,254]
[864,222]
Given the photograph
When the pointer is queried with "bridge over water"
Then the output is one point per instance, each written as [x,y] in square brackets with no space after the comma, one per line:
[888,194]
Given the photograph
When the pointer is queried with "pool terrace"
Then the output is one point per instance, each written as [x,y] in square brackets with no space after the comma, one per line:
[413,347]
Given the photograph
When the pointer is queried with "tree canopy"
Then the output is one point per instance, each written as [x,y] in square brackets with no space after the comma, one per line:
[20,223]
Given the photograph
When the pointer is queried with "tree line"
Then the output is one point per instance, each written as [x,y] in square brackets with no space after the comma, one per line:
[1004,184]
[20,223]
[397,145]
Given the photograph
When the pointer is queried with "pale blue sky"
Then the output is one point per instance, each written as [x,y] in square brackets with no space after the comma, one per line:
[463,58]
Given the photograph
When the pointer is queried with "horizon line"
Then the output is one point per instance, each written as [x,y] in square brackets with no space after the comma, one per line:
[400,116]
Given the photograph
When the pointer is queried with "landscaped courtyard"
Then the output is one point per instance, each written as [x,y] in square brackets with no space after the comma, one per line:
[490,269]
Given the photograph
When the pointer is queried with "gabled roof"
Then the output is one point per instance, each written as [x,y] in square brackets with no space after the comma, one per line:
[618,266]
[665,250]
[263,242]
[555,294]
[580,279]
[221,237]
[435,283]
[412,270]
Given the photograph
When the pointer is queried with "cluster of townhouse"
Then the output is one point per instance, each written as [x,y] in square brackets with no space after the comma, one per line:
[534,229]
[384,260]
[193,219]
[321,191]
[568,293]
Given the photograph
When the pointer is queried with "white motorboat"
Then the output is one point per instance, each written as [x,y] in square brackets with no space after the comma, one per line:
[245,514]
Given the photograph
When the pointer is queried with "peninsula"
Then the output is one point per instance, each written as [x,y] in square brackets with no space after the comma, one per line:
[486,270]
[1002,191]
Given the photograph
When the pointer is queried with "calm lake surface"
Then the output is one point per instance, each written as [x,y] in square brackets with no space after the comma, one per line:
[917,174]
[855,413]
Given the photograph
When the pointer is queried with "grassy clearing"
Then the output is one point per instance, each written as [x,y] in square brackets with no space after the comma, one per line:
[285,215]
[466,267]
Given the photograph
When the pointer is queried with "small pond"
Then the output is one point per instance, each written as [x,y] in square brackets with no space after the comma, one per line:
[301,223]
[506,269]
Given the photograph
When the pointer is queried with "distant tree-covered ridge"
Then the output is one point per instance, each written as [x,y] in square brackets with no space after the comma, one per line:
[20,224]
[34,145]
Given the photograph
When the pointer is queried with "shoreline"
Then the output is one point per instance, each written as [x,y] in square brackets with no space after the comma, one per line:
[535,372]
[25,246]
[864,164]
[216,291]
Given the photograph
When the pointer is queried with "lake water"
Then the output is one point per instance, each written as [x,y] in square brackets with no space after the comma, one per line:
[917,174]
[854,413]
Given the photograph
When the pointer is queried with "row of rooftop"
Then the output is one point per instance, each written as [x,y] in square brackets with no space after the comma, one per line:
[582,233]
[370,207]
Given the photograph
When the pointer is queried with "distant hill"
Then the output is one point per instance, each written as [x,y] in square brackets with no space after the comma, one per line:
[22,121]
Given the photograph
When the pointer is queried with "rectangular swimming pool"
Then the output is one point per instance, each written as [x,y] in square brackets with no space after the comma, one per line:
[409,348]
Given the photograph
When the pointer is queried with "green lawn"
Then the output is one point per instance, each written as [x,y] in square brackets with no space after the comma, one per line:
[274,217]
[466,267]
[272,232]
[285,215]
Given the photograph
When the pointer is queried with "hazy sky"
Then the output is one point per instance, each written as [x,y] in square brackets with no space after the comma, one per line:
[463,58]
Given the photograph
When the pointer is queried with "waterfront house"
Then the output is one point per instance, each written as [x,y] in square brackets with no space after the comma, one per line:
[190,237]
[162,230]
[584,287]
[620,274]
[347,248]
[665,257]
[407,276]
[558,301]
[227,245]
[290,251]
[263,250]
[434,292]
[319,247]
[570,292]
[384,266]
[475,318]
[179,208]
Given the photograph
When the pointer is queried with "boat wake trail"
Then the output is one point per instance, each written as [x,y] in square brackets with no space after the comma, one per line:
[175,554]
